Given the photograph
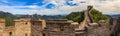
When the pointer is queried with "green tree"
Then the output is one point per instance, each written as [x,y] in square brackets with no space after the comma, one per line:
[79,16]
[97,16]
[9,21]
[8,16]
[76,16]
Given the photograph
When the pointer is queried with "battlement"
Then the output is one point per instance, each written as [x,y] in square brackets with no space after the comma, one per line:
[22,20]
[2,19]
[59,21]
[27,20]
[61,27]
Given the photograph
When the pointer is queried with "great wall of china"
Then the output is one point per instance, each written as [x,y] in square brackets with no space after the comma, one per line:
[55,27]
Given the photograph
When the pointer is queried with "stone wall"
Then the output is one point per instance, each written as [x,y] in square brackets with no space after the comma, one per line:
[59,28]
[115,26]
[37,27]
[2,26]
[9,31]
[30,27]
[100,29]
[22,27]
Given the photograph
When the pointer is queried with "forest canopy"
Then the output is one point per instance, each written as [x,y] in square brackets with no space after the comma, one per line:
[79,16]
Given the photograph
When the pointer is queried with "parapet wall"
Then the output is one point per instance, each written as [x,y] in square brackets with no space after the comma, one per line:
[98,29]
[23,27]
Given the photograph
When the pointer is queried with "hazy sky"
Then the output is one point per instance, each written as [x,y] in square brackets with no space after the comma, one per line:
[54,7]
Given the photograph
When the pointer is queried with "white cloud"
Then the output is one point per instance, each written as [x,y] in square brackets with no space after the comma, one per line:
[105,6]
[108,6]
[33,6]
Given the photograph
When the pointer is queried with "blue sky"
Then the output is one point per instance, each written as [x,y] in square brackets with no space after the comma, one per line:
[55,7]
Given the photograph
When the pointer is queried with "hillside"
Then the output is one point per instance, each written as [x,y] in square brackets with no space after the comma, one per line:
[79,16]
[8,16]
[97,16]
[40,16]
[75,16]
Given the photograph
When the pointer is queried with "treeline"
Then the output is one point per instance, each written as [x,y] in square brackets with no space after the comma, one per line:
[79,16]
[75,16]
[97,16]
[10,17]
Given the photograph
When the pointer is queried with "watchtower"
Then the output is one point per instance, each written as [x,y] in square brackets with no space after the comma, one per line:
[29,27]
[37,26]
[23,27]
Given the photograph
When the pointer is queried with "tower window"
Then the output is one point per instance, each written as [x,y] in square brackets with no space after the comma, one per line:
[62,29]
[26,23]
[26,34]
[10,33]
[32,35]
[44,34]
